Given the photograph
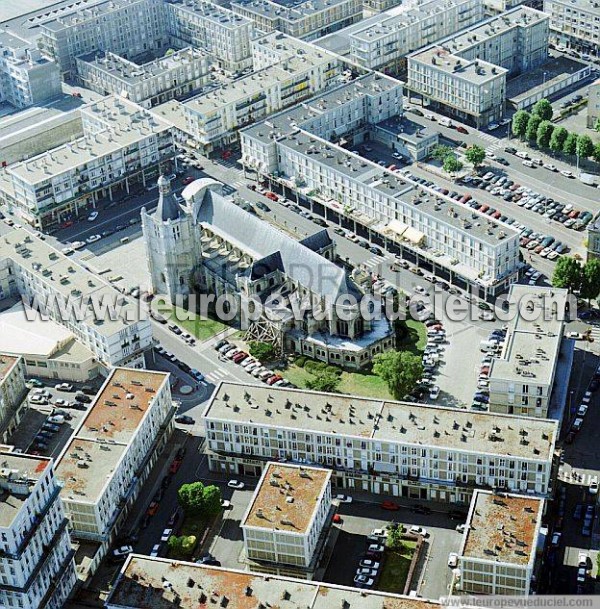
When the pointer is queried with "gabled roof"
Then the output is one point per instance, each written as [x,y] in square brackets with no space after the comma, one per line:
[317,241]
[272,248]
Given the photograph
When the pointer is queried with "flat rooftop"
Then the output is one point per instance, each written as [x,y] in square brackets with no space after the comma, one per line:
[502,528]
[163,584]
[102,437]
[290,10]
[472,71]
[485,31]
[399,422]
[208,11]
[132,73]
[67,277]
[123,124]
[17,471]
[6,364]
[287,498]
[531,348]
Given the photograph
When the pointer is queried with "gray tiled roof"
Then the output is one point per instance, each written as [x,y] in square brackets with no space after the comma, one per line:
[167,208]
[262,241]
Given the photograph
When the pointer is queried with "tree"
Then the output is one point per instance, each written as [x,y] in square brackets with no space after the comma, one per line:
[532,126]
[399,369]
[590,279]
[452,164]
[394,538]
[567,274]
[585,146]
[543,109]
[440,152]
[175,544]
[597,128]
[262,351]
[544,133]
[475,155]
[324,380]
[570,145]
[519,123]
[557,141]
[188,543]
[211,498]
[191,498]
[596,153]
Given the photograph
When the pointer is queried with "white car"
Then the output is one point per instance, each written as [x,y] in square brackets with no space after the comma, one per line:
[575,335]
[567,174]
[528,163]
[235,484]
[461,528]
[344,498]
[122,551]
[434,392]
[226,504]
[77,245]
[166,534]
[415,530]
[38,399]
[367,563]
[93,238]
[155,550]
[550,167]
[419,289]
[593,487]
[92,216]
[63,387]
[452,560]
[582,410]
[493,126]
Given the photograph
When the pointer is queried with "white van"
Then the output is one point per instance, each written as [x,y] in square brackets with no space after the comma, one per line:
[445,122]
[522,154]
[488,345]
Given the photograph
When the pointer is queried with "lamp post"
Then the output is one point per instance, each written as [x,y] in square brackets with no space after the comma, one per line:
[545,74]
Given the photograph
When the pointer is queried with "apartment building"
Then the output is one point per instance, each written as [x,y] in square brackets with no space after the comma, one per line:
[298,148]
[225,35]
[12,393]
[125,27]
[394,448]
[148,84]
[105,463]
[472,91]
[123,146]
[163,584]
[522,377]
[75,298]
[26,78]
[575,24]
[36,558]
[593,105]
[289,72]
[500,544]
[465,74]
[284,523]
[384,40]
[304,19]
[593,238]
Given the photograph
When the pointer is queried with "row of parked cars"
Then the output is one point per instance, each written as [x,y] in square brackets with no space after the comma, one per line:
[251,365]
[49,428]
[491,347]
[583,407]
[195,374]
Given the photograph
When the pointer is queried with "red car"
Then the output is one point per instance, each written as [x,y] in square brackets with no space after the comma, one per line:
[390,505]
[67,224]
[274,379]
[272,196]
[152,509]
[188,180]
[461,129]
[175,466]
[337,518]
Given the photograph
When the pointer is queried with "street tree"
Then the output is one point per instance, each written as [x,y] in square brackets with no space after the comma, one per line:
[570,145]
[590,279]
[451,163]
[519,123]
[191,498]
[544,133]
[585,147]
[543,109]
[557,140]
[400,370]
[596,153]
[324,380]
[262,351]
[532,126]
[597,128]
[567,274]
[440,152]
[475,155]
[211,497]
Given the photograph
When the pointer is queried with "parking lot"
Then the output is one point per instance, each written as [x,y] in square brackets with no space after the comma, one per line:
[31,430]
[360,518]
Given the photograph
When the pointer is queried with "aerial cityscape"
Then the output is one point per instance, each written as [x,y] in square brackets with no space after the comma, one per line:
[299,304]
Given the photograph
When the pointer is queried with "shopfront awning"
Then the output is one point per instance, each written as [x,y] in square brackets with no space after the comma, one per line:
[413,235]
[395,230]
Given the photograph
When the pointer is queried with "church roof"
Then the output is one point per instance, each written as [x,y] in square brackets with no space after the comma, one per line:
[273,249]
[168,208]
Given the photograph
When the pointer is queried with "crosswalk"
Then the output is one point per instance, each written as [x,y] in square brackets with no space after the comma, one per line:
[216,375]
[583,479]
[595,333]
[376,262]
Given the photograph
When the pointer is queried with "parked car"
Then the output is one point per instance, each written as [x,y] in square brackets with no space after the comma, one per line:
[390,505]
[184,419]
[236,484]
[63,387]
[166,534]
[344,498]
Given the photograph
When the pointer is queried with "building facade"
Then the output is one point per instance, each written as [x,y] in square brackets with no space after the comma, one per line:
[102,319]
[300,148]
[394,448]
[12,393]
[593,238]
[307,20]
[123,147]
[104,465]
[286,518]
[36,558]
[521,378]
[500,545]
[575,25]
[147,84]
[26,78]
[593,105]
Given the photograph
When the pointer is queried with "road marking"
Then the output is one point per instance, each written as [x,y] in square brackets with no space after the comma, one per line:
[375,261]
[217,375]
